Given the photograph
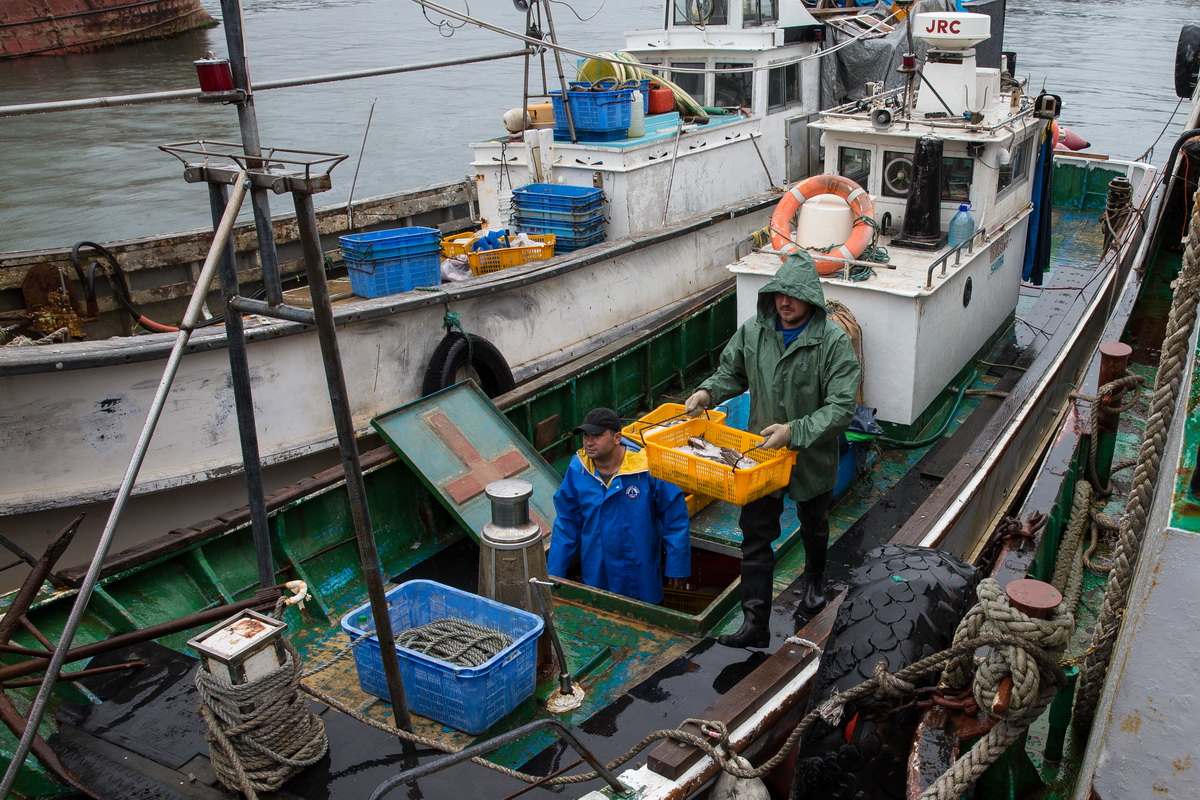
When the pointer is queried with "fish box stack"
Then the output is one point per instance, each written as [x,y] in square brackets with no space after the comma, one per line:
[380,263]
[574,214]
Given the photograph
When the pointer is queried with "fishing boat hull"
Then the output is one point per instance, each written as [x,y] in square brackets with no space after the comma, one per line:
[57,27]
[73,413]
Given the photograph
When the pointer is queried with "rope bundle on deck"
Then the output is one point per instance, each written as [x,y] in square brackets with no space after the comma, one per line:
[261,733]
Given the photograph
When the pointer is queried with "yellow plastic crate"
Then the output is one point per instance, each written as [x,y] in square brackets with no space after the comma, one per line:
[458,245]
[701,476]
[485,261]
[665,412]
[697,503]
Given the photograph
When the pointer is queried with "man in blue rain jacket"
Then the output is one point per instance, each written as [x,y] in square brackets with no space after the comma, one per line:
[617,518]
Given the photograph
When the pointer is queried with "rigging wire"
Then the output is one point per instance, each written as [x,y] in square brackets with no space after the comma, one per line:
[873,30]
[571,8]
[1149,152]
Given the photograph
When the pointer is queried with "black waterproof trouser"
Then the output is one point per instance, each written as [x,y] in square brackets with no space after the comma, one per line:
[759,522]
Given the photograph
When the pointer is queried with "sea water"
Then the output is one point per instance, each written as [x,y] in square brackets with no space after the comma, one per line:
[98,174]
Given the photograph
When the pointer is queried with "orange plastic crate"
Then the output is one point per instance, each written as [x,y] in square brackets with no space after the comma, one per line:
[701,476]
[666,411]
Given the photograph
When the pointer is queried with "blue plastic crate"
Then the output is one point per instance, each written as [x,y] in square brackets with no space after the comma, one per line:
[610,83]
[391,243]
[553,197]
[559,227]
[571,244]
[379,277]
[469,699]
[576,219]
[566,243]
[594,111]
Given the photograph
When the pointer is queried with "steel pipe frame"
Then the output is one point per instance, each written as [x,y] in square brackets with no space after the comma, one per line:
[483,748]
[190,318]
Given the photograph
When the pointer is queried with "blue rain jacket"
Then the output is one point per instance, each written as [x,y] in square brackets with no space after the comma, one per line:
[619,530]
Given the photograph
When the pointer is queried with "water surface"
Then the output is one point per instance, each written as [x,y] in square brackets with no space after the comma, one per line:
[98,174]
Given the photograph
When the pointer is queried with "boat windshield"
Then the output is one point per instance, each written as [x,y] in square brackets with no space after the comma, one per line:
[701,12]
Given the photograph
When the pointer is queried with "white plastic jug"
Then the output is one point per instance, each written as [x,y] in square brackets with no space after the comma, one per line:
[637,120]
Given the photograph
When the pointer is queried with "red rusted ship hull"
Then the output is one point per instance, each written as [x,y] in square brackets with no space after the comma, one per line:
[54,27]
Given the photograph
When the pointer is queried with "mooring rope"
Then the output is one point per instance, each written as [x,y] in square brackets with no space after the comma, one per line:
[261,733]
[1121,383]
[994,614]
[1167,381]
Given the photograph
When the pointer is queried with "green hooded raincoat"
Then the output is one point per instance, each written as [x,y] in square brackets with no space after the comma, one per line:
[810,385]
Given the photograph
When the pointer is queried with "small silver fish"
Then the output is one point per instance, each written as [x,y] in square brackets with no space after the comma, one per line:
[702,448]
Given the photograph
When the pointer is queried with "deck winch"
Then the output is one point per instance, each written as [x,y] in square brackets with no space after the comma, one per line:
[510,553]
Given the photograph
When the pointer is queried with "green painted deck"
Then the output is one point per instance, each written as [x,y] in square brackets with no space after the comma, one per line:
[612,643]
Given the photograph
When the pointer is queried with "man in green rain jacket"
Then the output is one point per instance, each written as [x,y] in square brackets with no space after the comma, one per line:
[802,375]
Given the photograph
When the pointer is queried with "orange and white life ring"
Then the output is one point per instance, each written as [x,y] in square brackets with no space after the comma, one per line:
[860,203]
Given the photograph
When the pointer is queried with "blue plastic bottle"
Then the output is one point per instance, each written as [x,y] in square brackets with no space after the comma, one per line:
[962,226]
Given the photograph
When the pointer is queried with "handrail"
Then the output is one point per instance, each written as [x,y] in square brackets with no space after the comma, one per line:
[970,245]
[190,318]
[483,748]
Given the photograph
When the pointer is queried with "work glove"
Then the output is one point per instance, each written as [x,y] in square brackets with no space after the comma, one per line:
[778,435]
[698,402]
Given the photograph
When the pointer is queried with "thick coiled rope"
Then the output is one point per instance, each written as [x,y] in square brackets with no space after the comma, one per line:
[994,615]
[1180,322]
[260,733]
[456,641]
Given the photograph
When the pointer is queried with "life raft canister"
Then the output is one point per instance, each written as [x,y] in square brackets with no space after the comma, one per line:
[860,203]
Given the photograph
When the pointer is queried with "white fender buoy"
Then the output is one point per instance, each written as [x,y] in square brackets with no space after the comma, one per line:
[728,787]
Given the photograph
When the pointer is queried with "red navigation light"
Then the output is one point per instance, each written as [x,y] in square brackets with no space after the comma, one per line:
[215,74]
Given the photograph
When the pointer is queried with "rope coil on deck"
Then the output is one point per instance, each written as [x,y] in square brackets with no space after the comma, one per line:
[261,733]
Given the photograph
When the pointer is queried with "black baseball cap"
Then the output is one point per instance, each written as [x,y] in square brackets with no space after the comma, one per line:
[599,420]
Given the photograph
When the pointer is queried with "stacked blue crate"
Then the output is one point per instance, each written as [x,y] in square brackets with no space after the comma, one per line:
[574,214]
[380,263]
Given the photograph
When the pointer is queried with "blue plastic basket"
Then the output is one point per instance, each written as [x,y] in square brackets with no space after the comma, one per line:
[594,111]
[391,243]
[571,218]
[553,197]
[559,227]
[379,277]
[572,243]
[469,699]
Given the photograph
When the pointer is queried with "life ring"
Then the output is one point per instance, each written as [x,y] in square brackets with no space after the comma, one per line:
[860,203]
[458,350]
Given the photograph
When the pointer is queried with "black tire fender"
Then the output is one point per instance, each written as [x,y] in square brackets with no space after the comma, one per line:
[453,353]
[903,604]
[1187,60]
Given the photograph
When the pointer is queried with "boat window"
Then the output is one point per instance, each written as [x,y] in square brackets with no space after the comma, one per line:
[783,86]
[956,179]
[733,89]
[690,82]
[701,12]
[855,163]
[897,173]
[1016,167]
[757,12]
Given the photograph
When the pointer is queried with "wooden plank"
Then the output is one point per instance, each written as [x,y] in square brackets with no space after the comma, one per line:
[671,759]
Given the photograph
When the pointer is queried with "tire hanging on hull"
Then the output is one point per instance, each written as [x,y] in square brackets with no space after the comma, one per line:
[904,603]
[457,350]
